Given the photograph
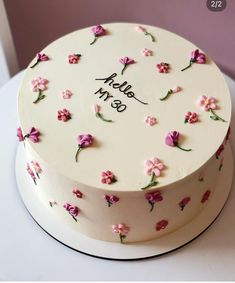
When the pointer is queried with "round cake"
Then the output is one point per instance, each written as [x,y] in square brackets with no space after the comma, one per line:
[124,128]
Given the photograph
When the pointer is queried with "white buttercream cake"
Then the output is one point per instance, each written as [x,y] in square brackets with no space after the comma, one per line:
[124,128]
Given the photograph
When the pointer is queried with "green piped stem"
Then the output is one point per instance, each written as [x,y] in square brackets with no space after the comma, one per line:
[190,64]
[184,149]
[77,152]
[167,95]
[35,64]
[94,40]
[124,68]
[149,34]
[40,97]
[122,237]
[215,116]
[100,116]
[152,182]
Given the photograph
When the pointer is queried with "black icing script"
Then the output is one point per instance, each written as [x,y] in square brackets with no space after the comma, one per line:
[124,87]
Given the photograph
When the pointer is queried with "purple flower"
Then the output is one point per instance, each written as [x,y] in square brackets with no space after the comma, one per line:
[196,57]
[83,141]
[97,31]
[20,134]
[126,61]
[172,139]
[72,210]
[153,197]
[111,199]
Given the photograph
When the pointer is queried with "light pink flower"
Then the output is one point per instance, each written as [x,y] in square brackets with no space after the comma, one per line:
[96,108]
[77,193]
[74,58]
[140,29]
[207,103]
[120,229]
[163,67]
[176,89]
[150,120]
[63,115]
[36,166]
[191,117]
[153,165]
[161,224]
[39,83]
[146,52]
[66,94]
[126,61]
[107,177]
[19,134]
[30,171]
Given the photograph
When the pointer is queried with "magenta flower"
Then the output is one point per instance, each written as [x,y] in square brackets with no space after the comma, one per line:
[153,197]
[74,58]
[97,31]
[196,57]
[209,104]
[150,120]
[184,202]
[96,110]
[83,142]
[63,115]
[111,199]
[126,61]
[122,230]
[163,67]
[190,117]
[19,134]
[173,90]
[205,196]
[142,29]
[77,193]
[72,210]
[161,224]
[39,85]
[153,168]
[107,177]
[39,58]
[219,151]
[66,94]
[30,171]
[37,168]
[172,139]
[146,52]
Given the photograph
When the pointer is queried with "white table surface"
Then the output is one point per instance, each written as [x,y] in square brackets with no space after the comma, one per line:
[28,253]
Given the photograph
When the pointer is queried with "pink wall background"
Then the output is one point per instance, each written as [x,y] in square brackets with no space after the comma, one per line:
[35,23]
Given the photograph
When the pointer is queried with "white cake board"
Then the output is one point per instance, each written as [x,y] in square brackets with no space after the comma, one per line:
[129,251]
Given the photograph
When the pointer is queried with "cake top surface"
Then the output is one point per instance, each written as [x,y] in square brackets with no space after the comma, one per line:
[96,89]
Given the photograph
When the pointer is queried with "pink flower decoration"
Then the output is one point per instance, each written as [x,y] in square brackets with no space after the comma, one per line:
[126,61]
[38,85]
[122,230]
[30,171]
[97,31]
[63,115]
[153,168]
[161,224]
[72,210]
[172,139]
[190,117]
[20,134]
[77,193]
[209,104]
[66,94]
[205,196]
[107,177]
[196,57]
[40,57]
[153,197]
[184,202]
[174,90]
[74,58]
[228,134]
[219,151]
[36,167]
[150,120]
[83,142]
[142,29]
[111,199]
[146,52]
[33,135]
[163,67]
[96,109]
